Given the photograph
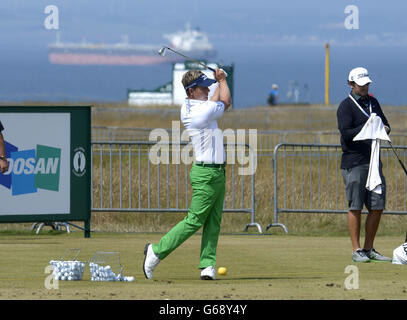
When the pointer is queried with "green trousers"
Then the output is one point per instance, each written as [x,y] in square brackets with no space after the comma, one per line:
[206,209]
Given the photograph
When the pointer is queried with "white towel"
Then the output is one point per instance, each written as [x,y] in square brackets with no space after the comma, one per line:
[400,254]
[373,129]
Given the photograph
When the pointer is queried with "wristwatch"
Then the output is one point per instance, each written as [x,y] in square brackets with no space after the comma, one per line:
[3,158]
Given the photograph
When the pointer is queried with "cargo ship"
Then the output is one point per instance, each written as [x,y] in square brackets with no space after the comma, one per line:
[191,42]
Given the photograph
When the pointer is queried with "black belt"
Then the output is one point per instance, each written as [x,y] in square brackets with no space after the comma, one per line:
[210,165]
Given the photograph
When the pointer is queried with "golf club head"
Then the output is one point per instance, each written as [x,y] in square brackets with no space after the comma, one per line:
[162,50]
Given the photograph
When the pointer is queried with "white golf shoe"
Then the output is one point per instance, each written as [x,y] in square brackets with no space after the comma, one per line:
[150,261]
[208,273]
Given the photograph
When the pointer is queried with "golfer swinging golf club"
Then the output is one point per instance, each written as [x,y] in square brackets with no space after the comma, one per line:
[198,115]
[352,115]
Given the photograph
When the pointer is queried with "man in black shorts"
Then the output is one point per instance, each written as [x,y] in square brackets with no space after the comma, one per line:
[352,114]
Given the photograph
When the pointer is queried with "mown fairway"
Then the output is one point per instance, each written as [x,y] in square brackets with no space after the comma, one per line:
[259,267]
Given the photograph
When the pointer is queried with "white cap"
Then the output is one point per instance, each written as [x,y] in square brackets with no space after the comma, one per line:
[360,76]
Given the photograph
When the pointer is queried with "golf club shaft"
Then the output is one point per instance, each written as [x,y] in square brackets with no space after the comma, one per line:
[201,63]
[401,163]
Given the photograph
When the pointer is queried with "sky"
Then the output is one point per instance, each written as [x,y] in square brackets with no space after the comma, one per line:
[256,23]
[243,32]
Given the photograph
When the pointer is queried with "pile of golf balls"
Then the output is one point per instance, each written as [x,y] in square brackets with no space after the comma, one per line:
[105,273]
[67,270]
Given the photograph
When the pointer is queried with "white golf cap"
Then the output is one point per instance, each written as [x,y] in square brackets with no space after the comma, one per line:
[360,76]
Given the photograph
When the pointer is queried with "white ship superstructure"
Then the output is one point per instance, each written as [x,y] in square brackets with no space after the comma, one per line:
[192,41]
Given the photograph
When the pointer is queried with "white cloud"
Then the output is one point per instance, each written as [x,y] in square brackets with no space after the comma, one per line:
[332,26]
[346,38]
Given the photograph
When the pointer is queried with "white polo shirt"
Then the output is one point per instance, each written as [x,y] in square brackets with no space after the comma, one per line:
[199,119]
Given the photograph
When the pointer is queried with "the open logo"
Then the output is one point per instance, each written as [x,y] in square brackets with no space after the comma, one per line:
[79,162]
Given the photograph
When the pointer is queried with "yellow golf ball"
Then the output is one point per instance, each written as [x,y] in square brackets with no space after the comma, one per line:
[222,271]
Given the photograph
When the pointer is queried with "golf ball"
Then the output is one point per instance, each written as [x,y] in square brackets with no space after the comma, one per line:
[67,270]
[222,271]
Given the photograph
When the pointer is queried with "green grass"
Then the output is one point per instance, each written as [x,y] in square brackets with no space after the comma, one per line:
[307,263]
[259,267]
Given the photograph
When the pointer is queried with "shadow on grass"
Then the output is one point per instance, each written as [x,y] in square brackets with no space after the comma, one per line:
[269,278]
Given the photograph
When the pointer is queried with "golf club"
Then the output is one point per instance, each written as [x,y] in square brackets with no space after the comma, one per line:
[161,52]
[402,165]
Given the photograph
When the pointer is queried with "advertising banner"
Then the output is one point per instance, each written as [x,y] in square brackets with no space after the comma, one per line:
[48,150]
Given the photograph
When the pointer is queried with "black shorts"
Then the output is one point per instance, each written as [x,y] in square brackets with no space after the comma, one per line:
[356,192]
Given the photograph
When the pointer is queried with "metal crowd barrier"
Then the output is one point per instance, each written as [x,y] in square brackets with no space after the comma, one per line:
[308,179]
[128,177]
[109,133]
[267,139]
